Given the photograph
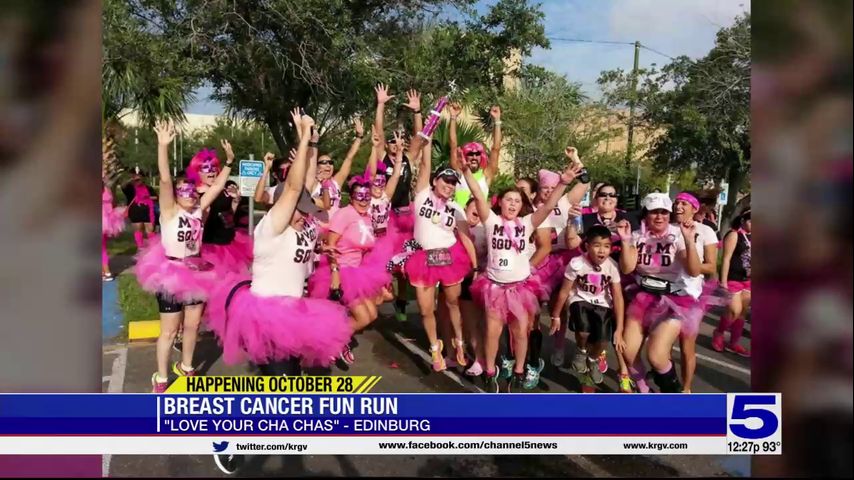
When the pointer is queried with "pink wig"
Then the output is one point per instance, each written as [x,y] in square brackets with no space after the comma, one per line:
[475,147]
[203,156]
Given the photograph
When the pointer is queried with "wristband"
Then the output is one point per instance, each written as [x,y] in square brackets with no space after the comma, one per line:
[584,177]
[360,136]
[497,123]
[312,144]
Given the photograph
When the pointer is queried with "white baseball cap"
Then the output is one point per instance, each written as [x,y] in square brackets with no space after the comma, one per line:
[657,201]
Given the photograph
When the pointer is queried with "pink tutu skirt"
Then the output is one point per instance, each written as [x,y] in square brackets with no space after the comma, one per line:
[422,275]
[736,287]
[508,301]
[385,248]
[264,329]
[550,273]
[652,309]
[158,274]
[358,284]
[402,222]
[236,257]
[112,220]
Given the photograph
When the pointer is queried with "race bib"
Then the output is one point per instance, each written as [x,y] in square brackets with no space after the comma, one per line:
[501,264]
[438,257]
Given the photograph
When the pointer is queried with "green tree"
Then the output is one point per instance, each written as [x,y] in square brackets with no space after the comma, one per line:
[701,107]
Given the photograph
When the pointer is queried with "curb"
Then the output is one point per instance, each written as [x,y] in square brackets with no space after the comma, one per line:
[143,330]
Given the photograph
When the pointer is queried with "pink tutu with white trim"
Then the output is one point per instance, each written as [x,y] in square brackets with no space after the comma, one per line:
[264,329]
[736,287]
[510,302]
[235,257]
[158,274]
[652,309]
[550,273]
[112,220]
[358,284]
[422,275]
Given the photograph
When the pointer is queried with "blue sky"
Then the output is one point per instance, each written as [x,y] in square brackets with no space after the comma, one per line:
[673,27]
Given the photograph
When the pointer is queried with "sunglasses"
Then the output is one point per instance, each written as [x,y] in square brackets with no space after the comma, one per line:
[607,195]
[474,153]
[449,179]
[325,162]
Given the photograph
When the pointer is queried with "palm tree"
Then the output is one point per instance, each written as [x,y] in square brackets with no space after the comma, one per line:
[466,132]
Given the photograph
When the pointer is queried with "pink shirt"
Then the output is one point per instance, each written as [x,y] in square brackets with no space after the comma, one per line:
[357,235]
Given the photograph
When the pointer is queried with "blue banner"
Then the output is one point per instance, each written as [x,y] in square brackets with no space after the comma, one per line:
[372,414]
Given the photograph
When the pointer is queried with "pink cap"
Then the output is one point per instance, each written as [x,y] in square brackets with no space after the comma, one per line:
[687,197]
[548,178]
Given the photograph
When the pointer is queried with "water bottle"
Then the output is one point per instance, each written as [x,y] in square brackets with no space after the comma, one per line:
[579,224]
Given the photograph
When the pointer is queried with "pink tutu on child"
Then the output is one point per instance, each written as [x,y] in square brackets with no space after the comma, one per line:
[264,329]
[158,274]
[236,257]
[508,301]
[652,309]
[422,275]
[112,220]
[364,282]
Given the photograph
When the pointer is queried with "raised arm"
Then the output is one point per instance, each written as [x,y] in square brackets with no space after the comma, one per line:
[165,134]
[573,239]
[480,199]
[413,102]
[311,174]
[422,180]
[628,251]
[219,183]
[282,211]
[455,110]
[566,178]
[495,153]
[391,185]
[376,142]
[577,192]
[382,98]
[344,171]
[261,195]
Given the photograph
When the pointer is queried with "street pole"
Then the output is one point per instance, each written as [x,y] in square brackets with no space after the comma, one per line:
[631,131]
[251,206]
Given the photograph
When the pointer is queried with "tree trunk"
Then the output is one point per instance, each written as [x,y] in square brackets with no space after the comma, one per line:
[278,137]
[736,178]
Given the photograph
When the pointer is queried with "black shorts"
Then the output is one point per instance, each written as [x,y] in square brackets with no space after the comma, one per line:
[584,317]
[139,214]
[168,304]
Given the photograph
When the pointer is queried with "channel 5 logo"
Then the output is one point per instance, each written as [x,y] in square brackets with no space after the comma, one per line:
[754,416]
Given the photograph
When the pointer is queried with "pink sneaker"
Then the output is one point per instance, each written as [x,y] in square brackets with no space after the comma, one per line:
[347,356]
[738,350]
[476,369]
[718,342]
[158,386]
[603,362]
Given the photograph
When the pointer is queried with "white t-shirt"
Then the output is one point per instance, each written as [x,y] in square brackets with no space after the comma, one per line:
[557,220]
[334,196]
[181,236]
[703,236]
[380,209]
[435,221]
[271,193]
[282,262]
[506,262]
[591,285]
[657,258]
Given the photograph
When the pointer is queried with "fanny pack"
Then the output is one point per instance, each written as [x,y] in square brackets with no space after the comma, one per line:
[438,257]
[655,285]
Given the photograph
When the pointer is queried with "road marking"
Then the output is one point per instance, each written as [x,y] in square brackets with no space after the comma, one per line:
[738,369]
[421,353]
[115,385]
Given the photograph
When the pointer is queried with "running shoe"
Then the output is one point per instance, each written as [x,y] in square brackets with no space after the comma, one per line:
[603,362]
[532,375]
[579,362]
[718,342]
[177,369]
[593,369]
[158,386]
[400,316]
[347,355]
[516,383]
[475,369]
[491,382]
[107,277]
[228,464]
[738,350]
[505,370]
[436,354]
[626,384]
[557,358]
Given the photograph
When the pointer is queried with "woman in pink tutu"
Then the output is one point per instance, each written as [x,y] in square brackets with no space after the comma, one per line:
[665,262]
[270,322]
[508,290]
[735,276]
[140,209]
[112,218]
[389,242]
[173,269]
[229,250]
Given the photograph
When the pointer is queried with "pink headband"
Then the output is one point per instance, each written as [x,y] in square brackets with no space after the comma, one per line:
[691,199]
[359,180]
[548,178]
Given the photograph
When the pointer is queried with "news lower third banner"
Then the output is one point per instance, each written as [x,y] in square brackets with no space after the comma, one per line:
[390,424]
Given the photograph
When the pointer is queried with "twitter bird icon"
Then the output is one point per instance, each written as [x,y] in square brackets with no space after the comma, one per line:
[219,447]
